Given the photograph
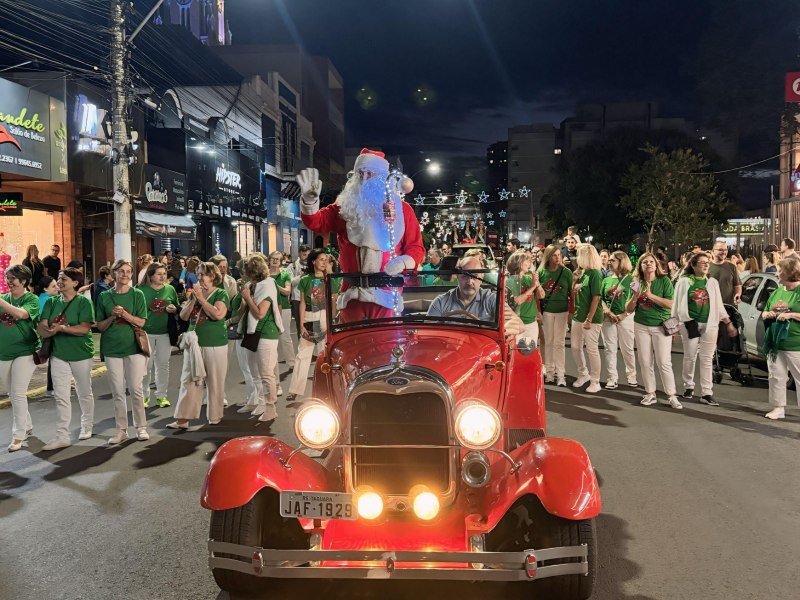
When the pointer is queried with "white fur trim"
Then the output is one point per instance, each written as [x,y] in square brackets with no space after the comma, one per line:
[381,297]
[371,162]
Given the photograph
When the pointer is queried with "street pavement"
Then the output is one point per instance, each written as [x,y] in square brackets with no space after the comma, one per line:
[699,503]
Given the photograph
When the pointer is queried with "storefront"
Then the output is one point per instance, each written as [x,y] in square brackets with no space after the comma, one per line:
[747,236]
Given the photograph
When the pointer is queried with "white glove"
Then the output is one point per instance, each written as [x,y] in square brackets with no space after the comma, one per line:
[310,185]
[398,264]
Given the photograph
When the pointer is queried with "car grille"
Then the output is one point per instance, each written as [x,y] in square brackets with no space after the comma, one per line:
[410,419]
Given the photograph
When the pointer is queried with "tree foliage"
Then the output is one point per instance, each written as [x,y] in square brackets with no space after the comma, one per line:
[673,191]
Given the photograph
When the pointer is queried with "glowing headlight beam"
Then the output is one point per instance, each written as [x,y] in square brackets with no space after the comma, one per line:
[477,426]
[317,426]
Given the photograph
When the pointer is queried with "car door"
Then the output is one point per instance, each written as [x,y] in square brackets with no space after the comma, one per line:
[765,291]
[747,310]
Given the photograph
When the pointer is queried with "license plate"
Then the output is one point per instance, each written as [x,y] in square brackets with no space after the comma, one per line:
[317,505]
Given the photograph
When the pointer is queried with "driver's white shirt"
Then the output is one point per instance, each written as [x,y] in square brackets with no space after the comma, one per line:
[482,306]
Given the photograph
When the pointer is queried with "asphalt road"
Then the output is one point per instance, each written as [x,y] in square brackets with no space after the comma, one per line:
[700,503]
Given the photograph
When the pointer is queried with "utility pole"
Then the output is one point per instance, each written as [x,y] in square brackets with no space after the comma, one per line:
[119,138]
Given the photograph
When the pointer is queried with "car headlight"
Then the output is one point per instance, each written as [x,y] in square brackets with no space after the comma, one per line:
[317,426]
[477,425]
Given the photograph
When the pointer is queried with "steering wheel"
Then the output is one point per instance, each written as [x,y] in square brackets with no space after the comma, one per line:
[465,313]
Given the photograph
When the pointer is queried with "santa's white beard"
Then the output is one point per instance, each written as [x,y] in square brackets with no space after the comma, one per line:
[361,206]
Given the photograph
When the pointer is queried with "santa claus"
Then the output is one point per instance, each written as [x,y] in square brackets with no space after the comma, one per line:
[361,218]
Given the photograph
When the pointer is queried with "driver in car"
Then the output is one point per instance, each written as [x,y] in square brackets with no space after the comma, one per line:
[470,297]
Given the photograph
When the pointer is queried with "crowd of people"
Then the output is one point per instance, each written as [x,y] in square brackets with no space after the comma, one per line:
[242,311]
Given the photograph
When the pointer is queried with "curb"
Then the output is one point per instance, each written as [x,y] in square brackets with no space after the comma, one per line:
[35,392]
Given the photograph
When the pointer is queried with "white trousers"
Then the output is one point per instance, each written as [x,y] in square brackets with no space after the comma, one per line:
[590,339]
[704,347]
[251,386]
[555,333]
[190,398]
[262,367]
[285,344]
[779,369]
[651,342]
[127,373]
[305,350]
[16,375]
[160,352]
[619,336]
[81,371]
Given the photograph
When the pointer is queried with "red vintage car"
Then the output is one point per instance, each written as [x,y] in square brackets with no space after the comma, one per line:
[435,462]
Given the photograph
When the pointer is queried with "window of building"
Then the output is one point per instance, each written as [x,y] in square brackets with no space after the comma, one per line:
[186,20]
[269,140]
[285,93]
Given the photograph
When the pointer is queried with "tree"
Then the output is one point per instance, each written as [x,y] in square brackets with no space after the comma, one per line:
[672,191]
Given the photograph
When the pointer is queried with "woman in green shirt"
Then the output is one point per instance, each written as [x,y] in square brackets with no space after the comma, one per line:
[587,321]
[617,322]
[162,301]
[205,312]
[525,290]
[68,319]
[119,311]
[19,310]
[652,302]
[556,279]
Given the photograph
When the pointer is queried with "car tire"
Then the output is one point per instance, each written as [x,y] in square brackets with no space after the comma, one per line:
[257,523]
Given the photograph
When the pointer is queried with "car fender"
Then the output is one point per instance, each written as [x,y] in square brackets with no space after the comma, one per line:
[243,466]
[556,470]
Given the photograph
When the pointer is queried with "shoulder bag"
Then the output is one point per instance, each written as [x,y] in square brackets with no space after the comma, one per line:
[550,291]
[250,340]
[140,335]
[41,355]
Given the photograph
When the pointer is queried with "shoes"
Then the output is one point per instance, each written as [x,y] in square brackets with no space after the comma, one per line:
[611,384]
[291,397]
[674,402]
[632,383]
[709,400]
[15,445]
[49,394]
[215,422]
[562,382]
[594,387]
[776,413]
[176,425]
[246,408]
[29,432]
[258,410]
[549,378]
[648,400]
[688,392]
[85,434]
[56,444]
[120,437]
[224,402]
[163,402]
[581,381]
[147,401]
[267,422]
[142,435]
[280,391]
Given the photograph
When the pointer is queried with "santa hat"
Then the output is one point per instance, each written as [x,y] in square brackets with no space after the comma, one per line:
[371,160]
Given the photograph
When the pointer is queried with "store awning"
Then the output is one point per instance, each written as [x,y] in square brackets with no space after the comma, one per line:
[164,225]
[290,190]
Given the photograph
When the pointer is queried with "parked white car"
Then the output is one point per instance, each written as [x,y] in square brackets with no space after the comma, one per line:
[756,289]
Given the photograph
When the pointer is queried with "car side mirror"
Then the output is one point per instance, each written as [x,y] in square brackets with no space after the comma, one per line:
[525,345]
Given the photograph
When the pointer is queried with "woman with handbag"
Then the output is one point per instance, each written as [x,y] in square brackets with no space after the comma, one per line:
[162,301]
[587,321]
[234,325]
[615,292]
[312,316]
[652,302]
[556,279]
[526,291]
[67,321]
[19,310]
[205,312]
[121,314]
[698,306]
[263,326]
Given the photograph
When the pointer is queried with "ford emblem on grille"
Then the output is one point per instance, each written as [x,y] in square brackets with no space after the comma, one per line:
[397,381]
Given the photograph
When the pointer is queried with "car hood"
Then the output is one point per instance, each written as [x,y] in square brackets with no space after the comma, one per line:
[460,357]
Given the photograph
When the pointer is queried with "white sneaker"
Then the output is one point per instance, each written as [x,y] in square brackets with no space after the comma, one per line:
[15,445]
[258,410]
[246,408]
[85,434]
[56,444]
[611,384]
[548,378]
[632,382]
[224,402]
[581,381]
[594,388]
[142,435]
[675,403]
[562,382]
[280,391]
[648,400]
[779,412]
[120,437]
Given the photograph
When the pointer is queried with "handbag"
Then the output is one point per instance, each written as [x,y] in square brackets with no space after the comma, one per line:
[141,340]
[250,340]
[671,326]
[173,329]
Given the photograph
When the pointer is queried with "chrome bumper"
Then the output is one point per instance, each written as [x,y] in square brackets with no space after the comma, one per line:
[485,566]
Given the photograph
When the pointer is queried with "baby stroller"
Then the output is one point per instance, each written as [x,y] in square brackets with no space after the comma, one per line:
[730,351]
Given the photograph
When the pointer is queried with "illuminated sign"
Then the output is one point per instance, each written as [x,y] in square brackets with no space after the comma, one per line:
[10,204]
[164,190]
[228,179]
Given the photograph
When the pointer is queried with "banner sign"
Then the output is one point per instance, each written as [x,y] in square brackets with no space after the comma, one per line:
[164,190]
[10,204]
[793,87]
[176,232]
[33,133]
[742,228]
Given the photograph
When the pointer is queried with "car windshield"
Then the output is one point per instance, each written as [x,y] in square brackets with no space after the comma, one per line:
[454,297]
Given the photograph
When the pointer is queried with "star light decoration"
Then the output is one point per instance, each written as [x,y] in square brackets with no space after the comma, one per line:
[504,194]
[489,215]
[420,200]
[440,198]
[483,197]
[502,214]
[461,198]
[523,192]
[491,222]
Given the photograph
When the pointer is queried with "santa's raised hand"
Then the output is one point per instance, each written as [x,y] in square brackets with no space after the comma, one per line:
[310,185]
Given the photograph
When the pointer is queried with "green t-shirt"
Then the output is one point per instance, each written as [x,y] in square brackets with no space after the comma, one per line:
[699,304]
[518,284]
[18,337]
[648,313]
[67,347]
[210,333]
[157,302]
[118,340]
[556,286]
[439,281]
[428,279]
[590,284]
[783,300]
[616,292]
[269,330]
[312,289]
[282,279]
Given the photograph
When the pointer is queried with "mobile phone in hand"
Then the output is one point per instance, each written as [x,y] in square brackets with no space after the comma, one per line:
[636,285]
